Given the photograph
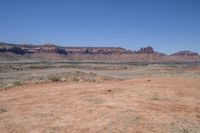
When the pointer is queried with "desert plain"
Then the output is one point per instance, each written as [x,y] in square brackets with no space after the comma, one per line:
[99,97]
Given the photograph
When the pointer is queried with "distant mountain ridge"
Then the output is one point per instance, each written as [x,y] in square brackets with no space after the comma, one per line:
[10,51]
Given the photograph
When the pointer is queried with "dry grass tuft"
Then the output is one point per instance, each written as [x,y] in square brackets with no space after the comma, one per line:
[16,83]
[2,110]
[54,78]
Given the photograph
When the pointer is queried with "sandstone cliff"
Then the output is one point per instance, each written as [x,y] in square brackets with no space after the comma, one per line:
[53,52]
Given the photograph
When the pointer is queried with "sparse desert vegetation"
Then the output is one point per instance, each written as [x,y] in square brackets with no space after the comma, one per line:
[60,97]
[17,73]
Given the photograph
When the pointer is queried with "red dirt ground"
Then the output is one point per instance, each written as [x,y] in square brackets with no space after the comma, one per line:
[143,105]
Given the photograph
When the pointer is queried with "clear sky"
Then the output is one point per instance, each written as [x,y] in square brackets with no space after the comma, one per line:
[166,25]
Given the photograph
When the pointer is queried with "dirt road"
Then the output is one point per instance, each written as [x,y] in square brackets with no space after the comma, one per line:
[143,105]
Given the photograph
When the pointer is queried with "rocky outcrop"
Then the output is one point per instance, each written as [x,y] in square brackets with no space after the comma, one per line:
[48,48]
[147,50]
[95,50]
[16,50]
[185,53]
[53,52]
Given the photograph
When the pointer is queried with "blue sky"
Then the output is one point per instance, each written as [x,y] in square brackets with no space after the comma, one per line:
[166,25]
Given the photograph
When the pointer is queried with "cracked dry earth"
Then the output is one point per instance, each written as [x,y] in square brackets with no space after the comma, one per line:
[143,105]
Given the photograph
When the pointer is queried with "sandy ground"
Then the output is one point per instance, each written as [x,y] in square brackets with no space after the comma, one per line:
[142,105]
